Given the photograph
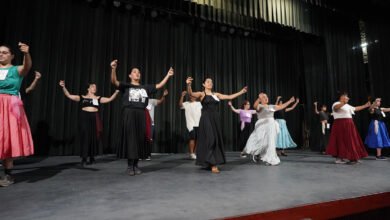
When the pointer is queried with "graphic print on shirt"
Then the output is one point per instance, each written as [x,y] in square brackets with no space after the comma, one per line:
[137,95]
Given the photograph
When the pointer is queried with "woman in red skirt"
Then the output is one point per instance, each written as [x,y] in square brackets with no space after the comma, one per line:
[15,134]
[345,141]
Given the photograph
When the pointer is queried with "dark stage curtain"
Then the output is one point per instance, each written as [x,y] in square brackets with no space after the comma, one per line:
[72,41]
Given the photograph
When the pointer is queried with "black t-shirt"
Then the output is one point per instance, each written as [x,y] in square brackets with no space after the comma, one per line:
[134,96]
[324,116]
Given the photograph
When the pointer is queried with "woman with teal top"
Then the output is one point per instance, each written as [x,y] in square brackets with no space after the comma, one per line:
[15,134]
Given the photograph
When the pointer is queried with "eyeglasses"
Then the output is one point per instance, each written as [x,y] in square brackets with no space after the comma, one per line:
[4,52]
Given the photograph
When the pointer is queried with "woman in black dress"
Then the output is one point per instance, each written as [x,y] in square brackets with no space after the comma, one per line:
[135,98]
[90,124]
[210,147]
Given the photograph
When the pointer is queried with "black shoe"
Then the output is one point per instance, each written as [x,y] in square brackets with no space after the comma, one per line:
[130,171]
[380,158]
[283,154]
[137,171]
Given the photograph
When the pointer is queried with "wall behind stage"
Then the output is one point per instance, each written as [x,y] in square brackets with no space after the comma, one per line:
[72,41]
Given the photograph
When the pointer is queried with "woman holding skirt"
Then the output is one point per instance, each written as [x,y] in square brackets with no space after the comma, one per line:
[89,124]
[345,142]
[210,148]
[245,127]
[377,136]
[262,141]
[284,140]
[135,98]
[15,133]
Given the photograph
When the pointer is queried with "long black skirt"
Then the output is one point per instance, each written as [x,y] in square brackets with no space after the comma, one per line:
[132,140]
[90,143]
[210,147]
[244,135]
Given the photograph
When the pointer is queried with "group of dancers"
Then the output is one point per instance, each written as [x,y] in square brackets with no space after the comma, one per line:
[206,144]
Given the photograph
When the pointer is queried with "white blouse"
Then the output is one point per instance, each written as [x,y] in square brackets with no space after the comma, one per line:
[344,112]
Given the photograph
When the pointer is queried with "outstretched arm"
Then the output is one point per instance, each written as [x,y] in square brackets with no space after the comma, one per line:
[359,108]
[189,89]
[34,83]
[232,96]
[316,108]
[385,109]
[292,107]
[232,108]
[162,99]
[75,98]
[114,80]
[166,78]
[109,99]
[281,107]
[27,62]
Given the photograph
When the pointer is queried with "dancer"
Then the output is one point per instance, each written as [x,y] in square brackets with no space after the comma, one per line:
[245,123]
[210,147]
[34,83]
[153,103]
[133,128]
[262,141]
[345,142]
[377,136]
[192,111]
[89,123]
[15,133]
[284,140]
[325,126]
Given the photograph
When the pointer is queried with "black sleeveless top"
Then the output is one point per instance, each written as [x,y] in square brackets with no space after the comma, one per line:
[377,115]
[209,104]
[88,102]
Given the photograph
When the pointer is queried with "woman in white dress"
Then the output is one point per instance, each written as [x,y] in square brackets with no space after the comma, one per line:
[262,141]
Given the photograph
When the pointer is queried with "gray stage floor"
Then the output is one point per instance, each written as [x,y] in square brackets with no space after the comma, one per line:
[172,187]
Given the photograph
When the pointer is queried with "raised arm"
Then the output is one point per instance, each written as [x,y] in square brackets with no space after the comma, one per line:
[385,109]
[359,108]
[277,100]
[162,99]
[189,89]
[316,108]
[166,78]
[293,107]
[338,106]
[75,98]
[34,83]
[281,107]
[109,99]
[27,62]
[114,80]
[183,94]
[232,96]
[256,104]
[232,108]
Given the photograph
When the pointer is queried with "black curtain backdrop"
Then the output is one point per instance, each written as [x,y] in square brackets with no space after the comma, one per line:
[72,41]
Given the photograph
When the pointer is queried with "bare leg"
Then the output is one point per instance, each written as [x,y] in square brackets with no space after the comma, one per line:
[379,152]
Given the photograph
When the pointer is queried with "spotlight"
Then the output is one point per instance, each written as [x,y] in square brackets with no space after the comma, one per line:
[365,44]
[116,3]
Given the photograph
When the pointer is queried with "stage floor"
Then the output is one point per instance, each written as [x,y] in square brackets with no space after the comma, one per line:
[172,187]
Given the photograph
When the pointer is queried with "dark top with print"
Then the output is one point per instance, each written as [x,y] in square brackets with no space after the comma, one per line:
[134,96]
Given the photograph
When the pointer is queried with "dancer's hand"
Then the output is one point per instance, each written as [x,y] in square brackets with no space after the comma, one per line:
[244,90]
[114,64]
[165,92]
[170,72]
[229,103]
[297,100]
[38,75]
[292,99]
[189,80]
[368,104]
[184,93]
[62,83]
[24,48]
[315,103]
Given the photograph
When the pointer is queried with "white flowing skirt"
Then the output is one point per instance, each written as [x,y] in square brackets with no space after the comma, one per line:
[262,141]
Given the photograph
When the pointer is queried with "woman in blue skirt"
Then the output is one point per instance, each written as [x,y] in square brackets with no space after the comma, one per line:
[284,140]
[377,136]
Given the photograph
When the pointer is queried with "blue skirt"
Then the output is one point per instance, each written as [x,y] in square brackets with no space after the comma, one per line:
[284,139]
[380,139]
